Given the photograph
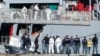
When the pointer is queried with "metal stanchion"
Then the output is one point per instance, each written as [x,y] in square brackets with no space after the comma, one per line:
[18,54]
[2,40]
[6,40]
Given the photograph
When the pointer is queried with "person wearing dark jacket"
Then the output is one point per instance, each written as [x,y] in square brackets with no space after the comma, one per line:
[67,44]
[45,43]
[84,43]
[77,44]
[36,44]
[95,44]
[63,44]
[24,41]
[28,44]
[72,44]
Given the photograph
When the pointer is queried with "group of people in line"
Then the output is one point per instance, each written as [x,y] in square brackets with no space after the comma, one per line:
[69,45]
[43,11]
[37,12]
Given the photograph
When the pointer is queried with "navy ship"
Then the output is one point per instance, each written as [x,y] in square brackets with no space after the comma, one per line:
[67,17]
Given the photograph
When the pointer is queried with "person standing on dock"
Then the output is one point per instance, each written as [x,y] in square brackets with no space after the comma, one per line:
[36,44]
[51,45]
[84,42]
[95,44]
[77,44]
[45,43]
[58,42]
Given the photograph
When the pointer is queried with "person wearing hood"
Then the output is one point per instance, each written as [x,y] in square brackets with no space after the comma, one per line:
[48,13]
[51,45]
[36,8]
[58,42]
[24,12]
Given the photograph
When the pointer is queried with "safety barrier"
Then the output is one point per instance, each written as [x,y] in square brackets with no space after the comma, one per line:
[43,17]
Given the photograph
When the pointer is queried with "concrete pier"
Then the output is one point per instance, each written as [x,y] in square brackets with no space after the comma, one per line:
[44,55]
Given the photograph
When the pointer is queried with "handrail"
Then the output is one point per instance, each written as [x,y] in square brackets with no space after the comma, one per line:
[53,17]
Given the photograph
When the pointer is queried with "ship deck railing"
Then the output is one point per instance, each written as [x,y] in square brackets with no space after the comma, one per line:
[56,17]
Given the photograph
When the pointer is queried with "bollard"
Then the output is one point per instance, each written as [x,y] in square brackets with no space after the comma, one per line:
[17,54]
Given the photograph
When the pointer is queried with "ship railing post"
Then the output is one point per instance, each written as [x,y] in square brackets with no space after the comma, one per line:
[1,40]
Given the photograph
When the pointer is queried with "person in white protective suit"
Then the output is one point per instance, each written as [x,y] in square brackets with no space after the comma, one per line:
[51,45]
[24,12]
[2,10]
[1,7]
[48,13]
[36,8]
[58,42]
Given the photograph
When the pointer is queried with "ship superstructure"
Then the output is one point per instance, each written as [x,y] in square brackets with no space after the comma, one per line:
[72,16]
